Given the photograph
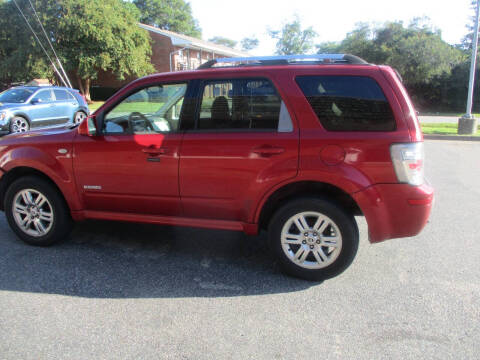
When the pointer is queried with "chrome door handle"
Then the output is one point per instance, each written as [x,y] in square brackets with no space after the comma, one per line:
[155,151]
[267,151]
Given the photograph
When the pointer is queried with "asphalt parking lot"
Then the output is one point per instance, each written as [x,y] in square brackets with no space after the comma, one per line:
[126,291]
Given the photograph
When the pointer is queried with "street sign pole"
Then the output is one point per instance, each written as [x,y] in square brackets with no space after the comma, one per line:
[467,124]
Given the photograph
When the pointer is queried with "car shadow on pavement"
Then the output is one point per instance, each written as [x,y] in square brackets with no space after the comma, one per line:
[119,260]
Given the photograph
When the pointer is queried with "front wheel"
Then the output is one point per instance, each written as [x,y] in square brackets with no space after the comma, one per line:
[313,239]
[36,211]
[19,124]
[79,117]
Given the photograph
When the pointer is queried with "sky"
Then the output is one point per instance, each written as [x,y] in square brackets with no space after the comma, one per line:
[331,19]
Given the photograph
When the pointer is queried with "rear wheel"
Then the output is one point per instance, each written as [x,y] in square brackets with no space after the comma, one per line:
[36,212]
[19,124]
[313,239]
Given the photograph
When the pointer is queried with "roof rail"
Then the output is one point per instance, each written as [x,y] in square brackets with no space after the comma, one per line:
[325,59]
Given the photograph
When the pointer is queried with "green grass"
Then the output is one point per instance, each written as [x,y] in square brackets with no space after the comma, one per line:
[95,105]
[442,129]
[143,107]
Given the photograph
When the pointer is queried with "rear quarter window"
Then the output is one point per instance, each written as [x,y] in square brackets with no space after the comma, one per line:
[348,103]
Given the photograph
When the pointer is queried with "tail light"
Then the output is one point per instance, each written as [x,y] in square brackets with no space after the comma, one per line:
[408,161]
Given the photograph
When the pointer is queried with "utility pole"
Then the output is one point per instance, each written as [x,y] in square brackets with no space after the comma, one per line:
[467,124]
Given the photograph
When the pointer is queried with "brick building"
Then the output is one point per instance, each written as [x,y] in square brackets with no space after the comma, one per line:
[170,52]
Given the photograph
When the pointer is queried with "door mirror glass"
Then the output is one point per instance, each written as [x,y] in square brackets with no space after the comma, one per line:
[35,101]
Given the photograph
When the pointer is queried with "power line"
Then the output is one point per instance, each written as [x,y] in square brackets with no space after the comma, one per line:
[41,45]
[51,46]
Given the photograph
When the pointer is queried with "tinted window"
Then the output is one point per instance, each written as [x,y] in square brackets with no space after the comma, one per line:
[348,103]
[239,104]
[150,110]
[44,95]
[61,95]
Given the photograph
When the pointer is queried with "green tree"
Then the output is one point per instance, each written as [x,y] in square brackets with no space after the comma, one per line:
[291,39]
[21,58]
[416,51]
[173,15]
[249,43]
[88,36]
[220,40]
[423,57]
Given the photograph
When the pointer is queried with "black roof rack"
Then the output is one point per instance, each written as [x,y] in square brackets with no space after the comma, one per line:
[315,59]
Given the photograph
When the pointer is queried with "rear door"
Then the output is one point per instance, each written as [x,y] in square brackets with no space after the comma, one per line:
[65,105]
[243,144]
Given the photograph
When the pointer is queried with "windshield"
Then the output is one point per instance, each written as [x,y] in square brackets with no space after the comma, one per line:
[15,95]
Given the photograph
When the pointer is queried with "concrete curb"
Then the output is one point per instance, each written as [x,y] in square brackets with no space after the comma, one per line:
[451,137]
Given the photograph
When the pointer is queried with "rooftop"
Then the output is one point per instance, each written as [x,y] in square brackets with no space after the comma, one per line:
[194,43]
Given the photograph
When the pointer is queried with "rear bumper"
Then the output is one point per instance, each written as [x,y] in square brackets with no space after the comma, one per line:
[395,210]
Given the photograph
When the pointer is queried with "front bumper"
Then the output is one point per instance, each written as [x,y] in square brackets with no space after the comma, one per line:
[395,210]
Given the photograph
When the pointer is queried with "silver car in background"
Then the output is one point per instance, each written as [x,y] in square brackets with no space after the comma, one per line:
[26,107]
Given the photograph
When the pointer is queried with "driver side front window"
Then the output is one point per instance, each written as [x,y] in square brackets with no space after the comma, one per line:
[155,109]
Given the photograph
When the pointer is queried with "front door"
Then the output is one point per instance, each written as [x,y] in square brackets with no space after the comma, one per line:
[132,166]
[244,143]
[42,111]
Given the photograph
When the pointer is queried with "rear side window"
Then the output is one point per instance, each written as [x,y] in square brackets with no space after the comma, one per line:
[348,103]
[239,104]
[62,95]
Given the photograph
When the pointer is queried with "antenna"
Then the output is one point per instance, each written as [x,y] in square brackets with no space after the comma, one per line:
[41,45]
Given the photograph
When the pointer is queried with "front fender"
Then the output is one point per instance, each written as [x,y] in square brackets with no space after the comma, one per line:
[22,114]
[58,169]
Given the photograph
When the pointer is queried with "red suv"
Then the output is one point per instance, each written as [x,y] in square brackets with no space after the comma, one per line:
[296,145]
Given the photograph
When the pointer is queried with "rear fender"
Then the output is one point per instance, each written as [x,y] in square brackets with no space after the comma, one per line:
[347,181]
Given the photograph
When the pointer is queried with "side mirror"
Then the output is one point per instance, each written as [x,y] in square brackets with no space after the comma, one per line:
[88,127]
[35,101]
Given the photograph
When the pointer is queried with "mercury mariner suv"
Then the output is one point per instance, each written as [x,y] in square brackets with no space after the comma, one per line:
[295,145]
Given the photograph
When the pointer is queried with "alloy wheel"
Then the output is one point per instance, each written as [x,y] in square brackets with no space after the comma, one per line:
[311,240]
[79,117]
[19,125]
[33,213]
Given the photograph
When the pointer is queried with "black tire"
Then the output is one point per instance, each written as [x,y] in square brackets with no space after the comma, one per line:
[15,123]
[83,114]
[61,223]
[342,221]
